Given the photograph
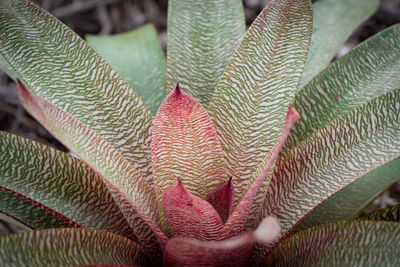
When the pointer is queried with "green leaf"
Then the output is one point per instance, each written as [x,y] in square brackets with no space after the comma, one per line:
[7,218]
[58,184]
[355,243]
[58,66]
[137,55]
[388,214]
[351,200]
[366,72]
[334,21]
[333,157]
[202,36]
[256,89]
[69,247]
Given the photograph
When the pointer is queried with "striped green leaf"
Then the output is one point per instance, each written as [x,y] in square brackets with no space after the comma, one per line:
[355,243]
[256,89]
[334,157]
[131,192]
[55,64]
[351,200]
[69,247]
[334,21]
[388,214]
[202,36]
[138,57]
[368,71]
[62,186]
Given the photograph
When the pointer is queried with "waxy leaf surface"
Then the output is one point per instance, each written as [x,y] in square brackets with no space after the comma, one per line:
[60,183]
[334,21]
[137,55]
[202,35]
[58,66]
[69,247]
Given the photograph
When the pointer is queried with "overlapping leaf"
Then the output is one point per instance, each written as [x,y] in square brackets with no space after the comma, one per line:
[61,68]
[368,71]
[64,186]
[202,36]
[138,57]
[351,200]
[355,243]
[257,87]
[69,247]
[334,21]
[388,214]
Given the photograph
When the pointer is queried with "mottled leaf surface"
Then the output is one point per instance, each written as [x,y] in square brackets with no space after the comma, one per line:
[59,182]
[69,247]
[257,87]
[352,199]
[368,71]
[388,214]
[334,21]
[58,66]
[137,55]
[356,243]
[202,36]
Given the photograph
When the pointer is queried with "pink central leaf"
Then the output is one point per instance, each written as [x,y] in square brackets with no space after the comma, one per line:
[222,199]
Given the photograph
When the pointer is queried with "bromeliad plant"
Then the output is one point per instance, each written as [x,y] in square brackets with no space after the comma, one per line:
[189,185]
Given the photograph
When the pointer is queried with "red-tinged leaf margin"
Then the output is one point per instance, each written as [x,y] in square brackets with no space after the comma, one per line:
[130,191]
[238,218]
[190,216]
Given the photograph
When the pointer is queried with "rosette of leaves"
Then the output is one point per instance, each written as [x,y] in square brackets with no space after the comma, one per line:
[200,174]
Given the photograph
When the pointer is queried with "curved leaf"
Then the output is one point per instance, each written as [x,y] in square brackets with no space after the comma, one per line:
[138,57]
[334,157]
[55,64]
[388,214]
[351,200]
[256,89]
[9,219]
[69,247]
[334,21]
[355,243]
[202,36]
[59,182]
[366,72]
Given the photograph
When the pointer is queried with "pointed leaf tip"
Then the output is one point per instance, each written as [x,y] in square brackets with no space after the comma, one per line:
[222,199]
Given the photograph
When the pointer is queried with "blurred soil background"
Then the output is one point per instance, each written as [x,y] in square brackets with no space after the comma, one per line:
[116,16]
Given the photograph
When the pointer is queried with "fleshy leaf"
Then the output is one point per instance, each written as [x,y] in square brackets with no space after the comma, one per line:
[391,214]
[334,157]
[222,198]
[60,182]
[229,252]
[351,200]
[366,72]
[238,218]
[202,36]
[185,146]
[190,216]
[355,243]
[138,57]
[69,247]
[257,87]
[334,21]
[59,67]
[130,191]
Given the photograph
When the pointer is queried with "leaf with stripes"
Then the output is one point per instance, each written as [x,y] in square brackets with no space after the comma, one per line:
[67,191]
[391,214]
[137,55]
[368,71]
[69,247]
[333,157]
[355,243]
[256,89]
[132,194]
[334,21]
[58,66]
[354,198]
[202,35]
